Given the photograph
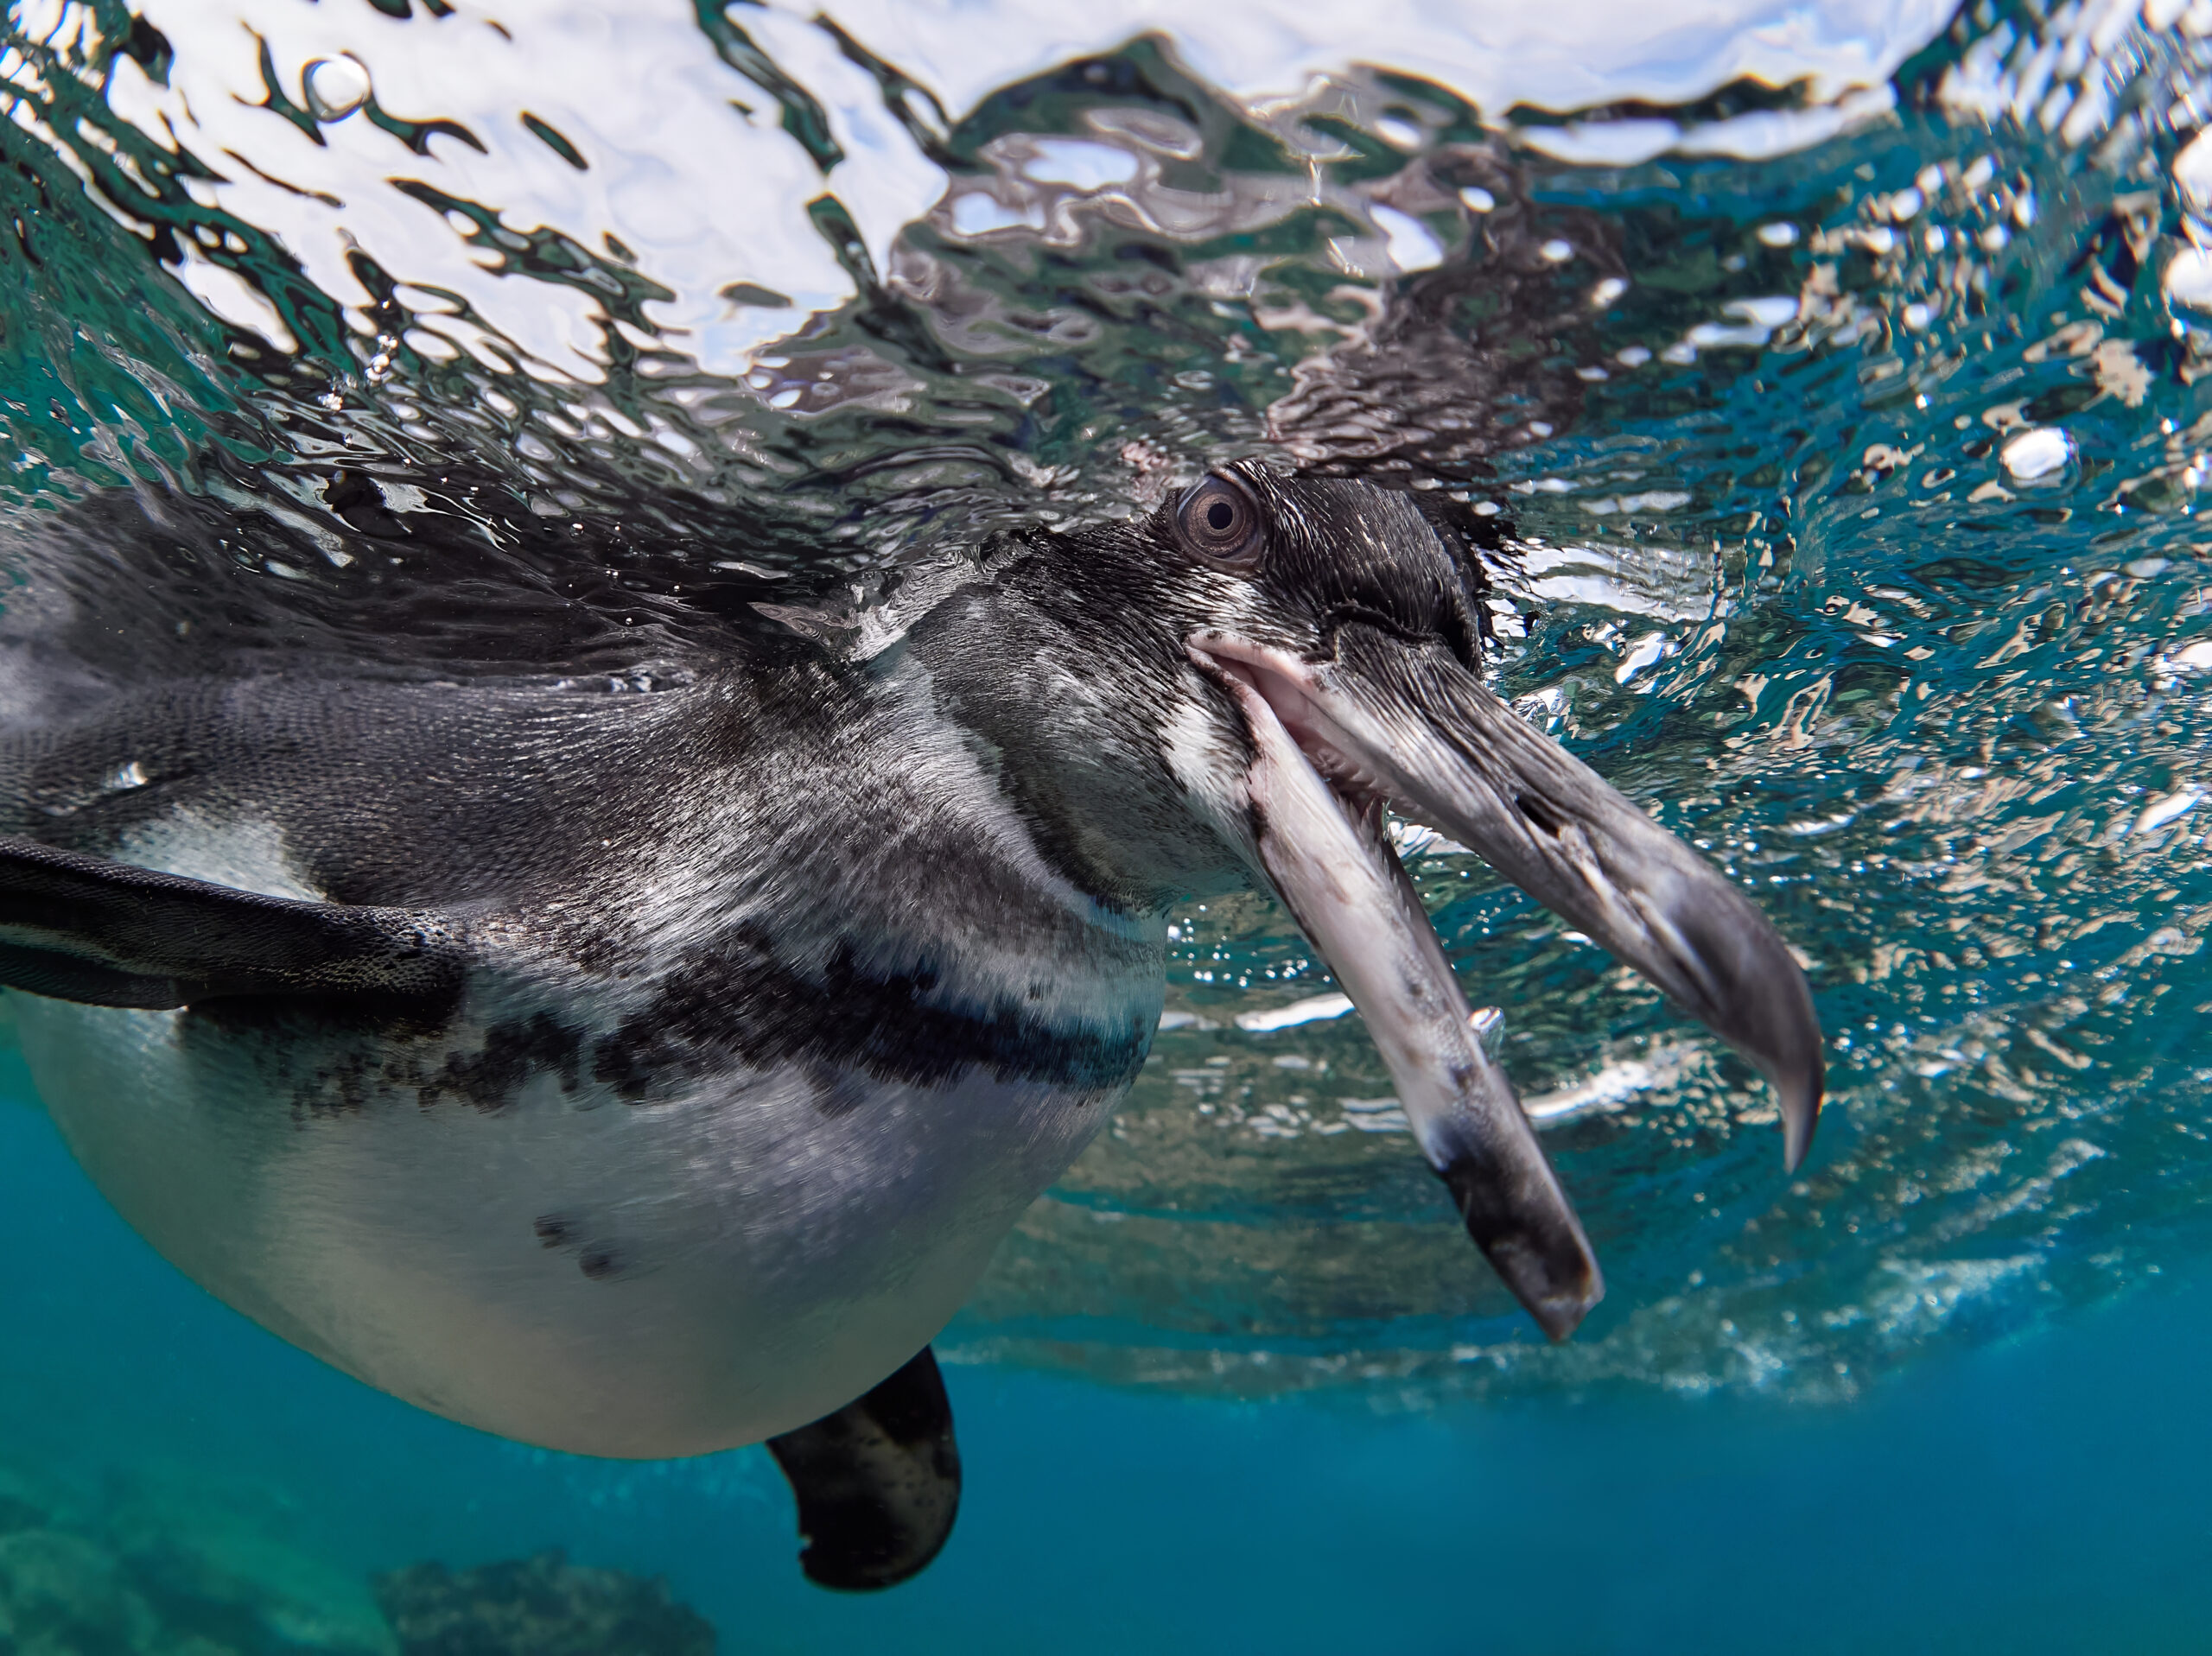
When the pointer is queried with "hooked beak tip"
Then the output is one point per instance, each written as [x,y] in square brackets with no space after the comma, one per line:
[1798,1074]
[1801,1113]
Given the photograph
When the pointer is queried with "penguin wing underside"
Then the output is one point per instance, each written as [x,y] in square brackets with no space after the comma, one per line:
[107,934]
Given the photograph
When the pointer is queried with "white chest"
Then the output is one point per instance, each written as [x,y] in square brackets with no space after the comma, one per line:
[742,1255]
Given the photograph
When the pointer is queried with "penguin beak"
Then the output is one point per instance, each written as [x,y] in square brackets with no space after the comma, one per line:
[1386,721]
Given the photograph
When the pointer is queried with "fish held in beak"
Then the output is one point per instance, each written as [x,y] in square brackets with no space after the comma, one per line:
[1337,875]
[1386,719]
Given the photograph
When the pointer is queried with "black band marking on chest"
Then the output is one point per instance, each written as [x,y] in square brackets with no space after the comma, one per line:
[513,1052]
[738,1000]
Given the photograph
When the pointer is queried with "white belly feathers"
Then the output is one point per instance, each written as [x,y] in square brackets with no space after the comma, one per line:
[569,1270]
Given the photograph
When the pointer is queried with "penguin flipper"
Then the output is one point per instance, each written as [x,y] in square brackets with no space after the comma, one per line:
[878,1483]
[85,929]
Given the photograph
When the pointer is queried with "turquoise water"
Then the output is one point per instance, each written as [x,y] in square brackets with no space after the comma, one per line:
[2042,1493]
[1827,385]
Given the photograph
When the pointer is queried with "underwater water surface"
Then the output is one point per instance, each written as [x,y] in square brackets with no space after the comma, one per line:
[1827,389]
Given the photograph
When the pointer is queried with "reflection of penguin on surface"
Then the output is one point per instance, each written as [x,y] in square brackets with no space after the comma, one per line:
[645,1066]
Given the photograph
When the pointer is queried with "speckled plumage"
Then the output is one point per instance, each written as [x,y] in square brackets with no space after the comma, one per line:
[765,982]
[727,1099]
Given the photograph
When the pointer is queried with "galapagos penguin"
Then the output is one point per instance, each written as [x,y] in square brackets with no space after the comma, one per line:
[649,1073]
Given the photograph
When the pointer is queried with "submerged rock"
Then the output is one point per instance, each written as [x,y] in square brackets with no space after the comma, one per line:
[61,1593]
[543,1606]
[226,1561]
[81,1577]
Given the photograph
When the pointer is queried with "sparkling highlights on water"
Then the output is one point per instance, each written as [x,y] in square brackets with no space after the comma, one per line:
[1834,453]
[2036,454]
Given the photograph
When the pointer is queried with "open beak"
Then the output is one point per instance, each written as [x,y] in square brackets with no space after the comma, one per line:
[1407,724]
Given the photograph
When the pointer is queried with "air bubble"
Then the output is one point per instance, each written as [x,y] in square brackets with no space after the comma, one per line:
[2037,454]
[336,88]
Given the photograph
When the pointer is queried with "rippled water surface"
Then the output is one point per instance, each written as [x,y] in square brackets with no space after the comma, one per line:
[1826,387]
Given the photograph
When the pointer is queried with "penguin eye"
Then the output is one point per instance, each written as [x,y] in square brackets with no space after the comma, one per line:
[1219,520]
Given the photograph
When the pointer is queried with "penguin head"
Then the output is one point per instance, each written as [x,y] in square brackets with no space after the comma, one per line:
[1244,684]
[1072,660]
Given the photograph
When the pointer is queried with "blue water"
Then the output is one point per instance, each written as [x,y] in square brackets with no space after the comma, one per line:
[1835,382]
[2045,1493]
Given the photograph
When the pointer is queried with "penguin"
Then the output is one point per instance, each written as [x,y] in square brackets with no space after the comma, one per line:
[646,1067]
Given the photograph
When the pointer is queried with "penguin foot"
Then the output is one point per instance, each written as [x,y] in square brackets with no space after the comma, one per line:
[878,1483]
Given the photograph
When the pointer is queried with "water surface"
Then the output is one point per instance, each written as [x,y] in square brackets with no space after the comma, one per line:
[1824,386]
